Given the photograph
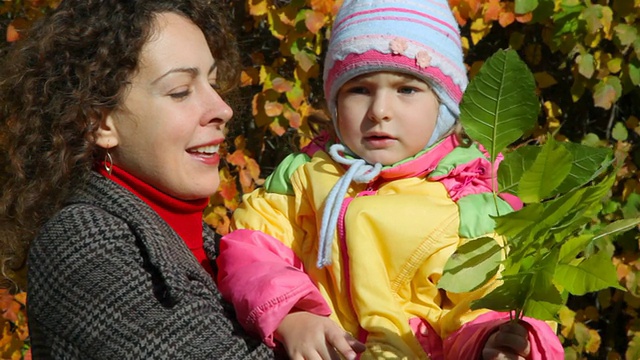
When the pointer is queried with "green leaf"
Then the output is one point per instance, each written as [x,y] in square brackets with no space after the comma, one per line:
[525,6]
[543,310]
[517,222]
[632,207]
[586,65]
[588,163]
[634,72]
[618,227]
[581,201]
[567,20]
[633,351]
[544,300]
[592,274]
[573,246]
[626,34]
[471,266]
[549,170]
[515,163]
[607,92]
[500,104]
[510,295]
[619,132]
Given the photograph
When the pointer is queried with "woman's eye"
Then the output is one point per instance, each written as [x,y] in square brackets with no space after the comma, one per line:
[215,86]
[180,95]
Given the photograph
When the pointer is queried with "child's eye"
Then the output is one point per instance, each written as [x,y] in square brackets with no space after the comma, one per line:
[358,90]
[215,86]
[407,90]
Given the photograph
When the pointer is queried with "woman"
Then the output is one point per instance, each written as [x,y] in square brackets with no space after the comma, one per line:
[111,120]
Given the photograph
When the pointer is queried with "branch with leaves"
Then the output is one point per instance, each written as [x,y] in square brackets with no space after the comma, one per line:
[548,252]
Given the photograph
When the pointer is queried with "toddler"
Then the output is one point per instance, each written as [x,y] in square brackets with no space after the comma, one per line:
[351,237]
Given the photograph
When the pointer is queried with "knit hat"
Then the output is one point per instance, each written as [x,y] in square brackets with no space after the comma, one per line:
[415,37]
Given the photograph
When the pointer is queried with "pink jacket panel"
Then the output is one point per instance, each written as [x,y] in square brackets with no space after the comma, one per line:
[469,340]
[265,281]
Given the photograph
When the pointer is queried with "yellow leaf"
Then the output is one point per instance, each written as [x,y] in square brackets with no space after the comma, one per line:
[567,320]
[475,68]
[258,7]
[218,218]
[593,344]
[479,29]
[294,118]
[277,127]
[12,33]
[492,10]
[281,85]
[607,92]
[237,158]
[577,90]
[465,44]
[506,18]
[254,169]
[552,109]
[524,18]
[296,96]
[615,65]
[314,21]
[249,76]
[305,60]
[323,6]
[273,108]
[585,64]
[240,142]
[544,79]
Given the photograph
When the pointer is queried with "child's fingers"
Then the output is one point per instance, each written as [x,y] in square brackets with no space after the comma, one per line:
[496,354]
[345,344]
[515,328]
[513,336]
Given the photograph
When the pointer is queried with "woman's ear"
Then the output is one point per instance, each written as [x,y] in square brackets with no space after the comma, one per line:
[107,135]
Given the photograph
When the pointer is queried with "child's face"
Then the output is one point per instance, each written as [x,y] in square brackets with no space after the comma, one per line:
[386,117]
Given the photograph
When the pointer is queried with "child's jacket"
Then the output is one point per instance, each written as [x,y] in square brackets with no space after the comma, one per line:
[393,238]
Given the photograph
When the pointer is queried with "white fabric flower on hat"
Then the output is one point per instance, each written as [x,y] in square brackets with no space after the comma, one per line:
[423,59]
[398,46]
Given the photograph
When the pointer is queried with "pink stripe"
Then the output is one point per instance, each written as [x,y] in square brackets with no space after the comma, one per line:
[401,62]
[366,12]
[341,45]
[453,36]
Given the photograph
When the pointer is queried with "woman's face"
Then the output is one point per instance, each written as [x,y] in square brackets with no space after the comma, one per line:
[169,127]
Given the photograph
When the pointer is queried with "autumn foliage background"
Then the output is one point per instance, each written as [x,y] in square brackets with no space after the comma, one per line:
[585,56]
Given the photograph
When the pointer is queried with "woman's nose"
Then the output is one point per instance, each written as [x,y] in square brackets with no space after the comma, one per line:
[217,108]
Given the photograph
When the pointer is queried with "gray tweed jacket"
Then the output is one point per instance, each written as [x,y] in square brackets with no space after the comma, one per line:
[109,279]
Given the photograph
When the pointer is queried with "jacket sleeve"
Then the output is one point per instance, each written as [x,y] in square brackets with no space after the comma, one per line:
[265,281]
[469,340]
[94,293]
[259,270]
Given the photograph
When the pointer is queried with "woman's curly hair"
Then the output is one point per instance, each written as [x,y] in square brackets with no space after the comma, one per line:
[57,84]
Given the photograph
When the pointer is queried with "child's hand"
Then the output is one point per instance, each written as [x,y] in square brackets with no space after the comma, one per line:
[313,337]
[509,342]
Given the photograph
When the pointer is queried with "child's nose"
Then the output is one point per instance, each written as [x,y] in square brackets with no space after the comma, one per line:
[381,108]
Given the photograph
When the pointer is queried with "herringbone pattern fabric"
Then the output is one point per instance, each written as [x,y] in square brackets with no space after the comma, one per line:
[108,279]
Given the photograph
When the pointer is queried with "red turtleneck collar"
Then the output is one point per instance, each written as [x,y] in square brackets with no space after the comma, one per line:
[184,217]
